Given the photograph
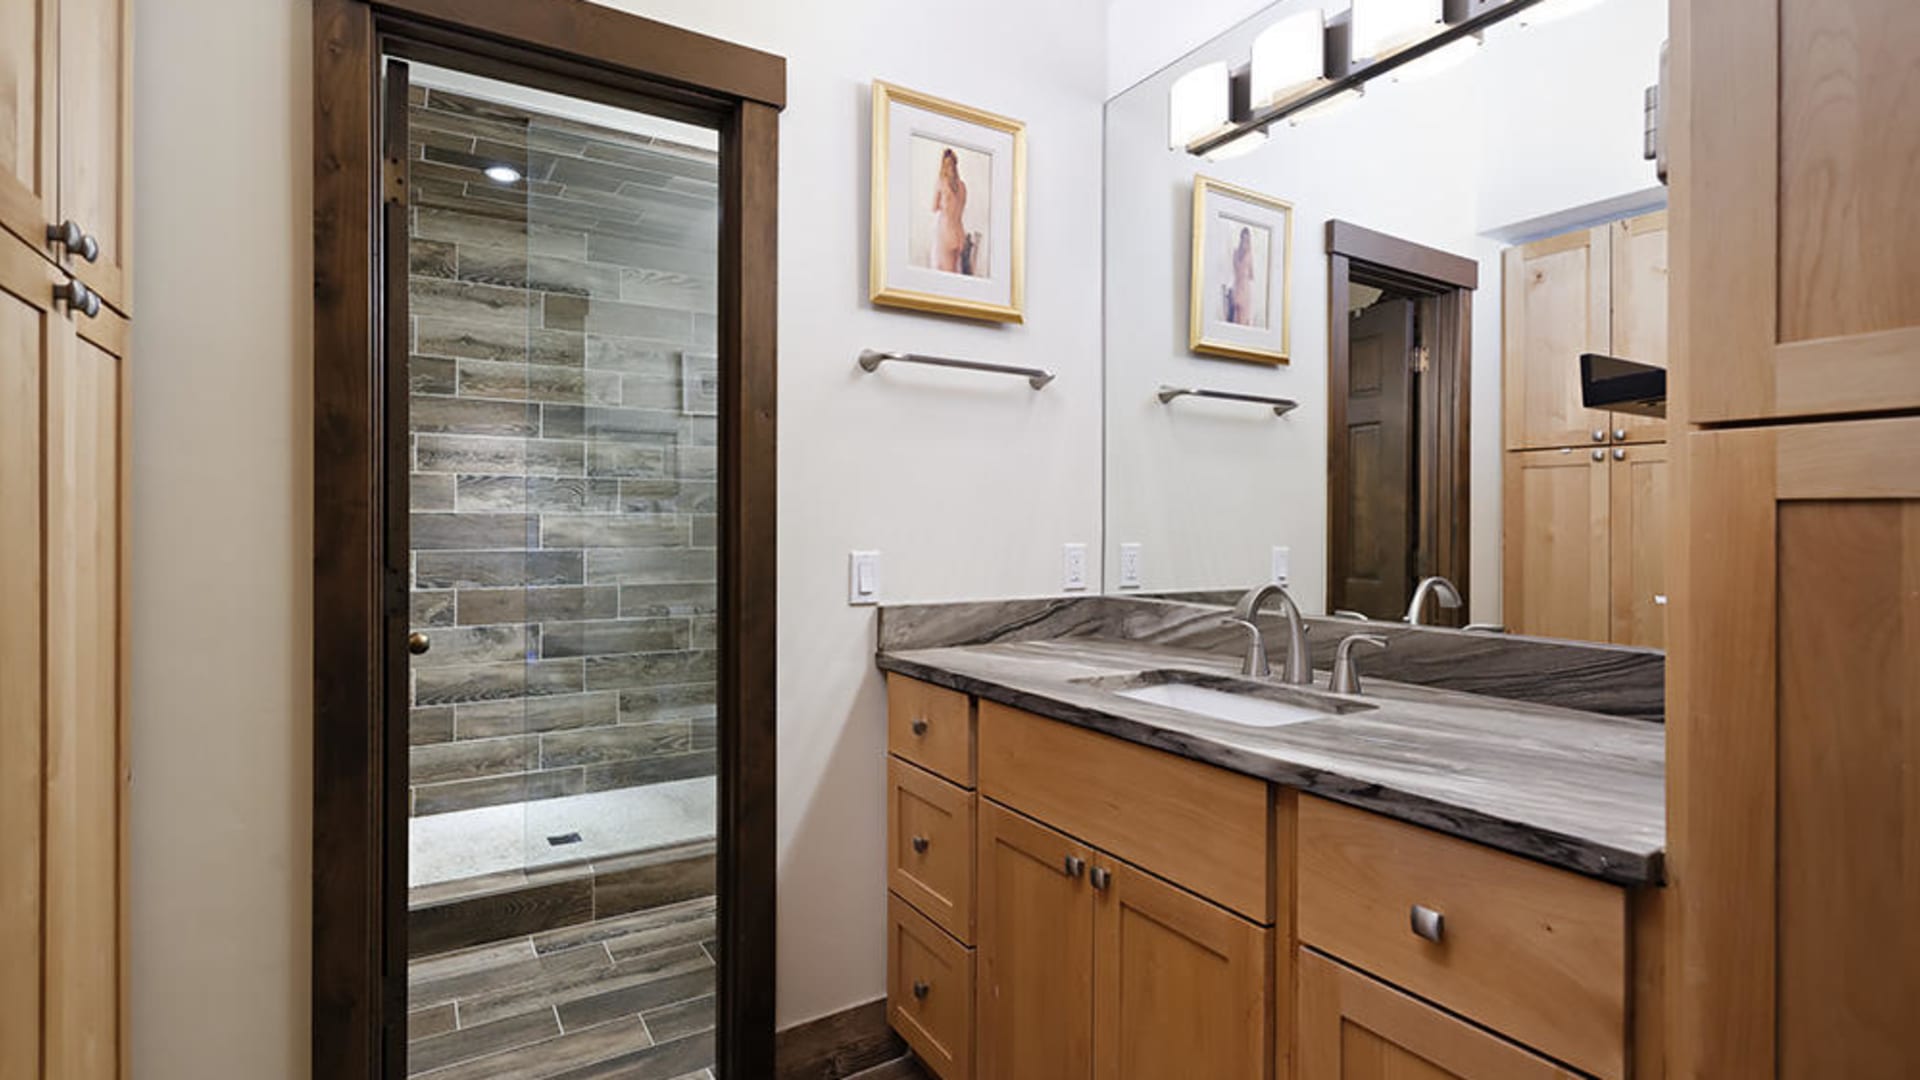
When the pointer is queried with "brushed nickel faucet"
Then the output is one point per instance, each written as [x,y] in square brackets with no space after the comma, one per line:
[1346,680]
[1299,667]
[1438,586]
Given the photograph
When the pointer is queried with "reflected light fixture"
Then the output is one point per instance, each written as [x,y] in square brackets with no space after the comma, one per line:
[1548,11]
[1383,27]
[1245,144]
[1288,57]
[502,174]
[1198,104]
[1328,105]
[1448,56]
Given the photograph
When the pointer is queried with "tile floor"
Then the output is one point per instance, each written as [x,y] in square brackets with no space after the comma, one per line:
[629,997]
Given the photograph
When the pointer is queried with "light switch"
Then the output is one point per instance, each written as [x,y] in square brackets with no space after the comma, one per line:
[863,577]
[1280,562]
[1129,566]
[1073,567]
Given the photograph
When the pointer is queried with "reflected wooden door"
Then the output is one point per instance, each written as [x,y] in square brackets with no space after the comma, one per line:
[1556,306]
[1373,566]
[1557,543]
[1639,310]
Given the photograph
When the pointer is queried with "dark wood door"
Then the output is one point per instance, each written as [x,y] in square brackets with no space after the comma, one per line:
[1373,561]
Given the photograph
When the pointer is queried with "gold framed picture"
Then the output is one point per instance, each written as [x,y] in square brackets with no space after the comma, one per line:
[1242,285]
[949,207]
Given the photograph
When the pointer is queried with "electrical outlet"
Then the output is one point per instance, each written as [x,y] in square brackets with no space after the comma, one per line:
[1129,566]
[1073,567]
[863,577]
[1280,561]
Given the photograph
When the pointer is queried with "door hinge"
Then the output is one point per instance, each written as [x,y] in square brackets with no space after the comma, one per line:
[1417,360]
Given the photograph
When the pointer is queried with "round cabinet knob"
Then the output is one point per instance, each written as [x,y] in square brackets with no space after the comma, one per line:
[1619,434]
[1599,455]
[418,643]
[68,234]
[921,989]
[1599,435]
[1619,453]
[1428,923]
[919,725]
[78,297]
[920,844]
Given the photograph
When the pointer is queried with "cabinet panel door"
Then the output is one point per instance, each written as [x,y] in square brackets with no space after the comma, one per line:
[1034,959]
[95,121]
[31,337]
[1181,986]
[28,123]
[1555,521]
[1639,309]
[1637,531]
[1556,307]
[1794,752]
[1353,1028]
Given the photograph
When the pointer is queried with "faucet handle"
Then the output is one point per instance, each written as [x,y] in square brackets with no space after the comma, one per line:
[1254,665]
[1345,679]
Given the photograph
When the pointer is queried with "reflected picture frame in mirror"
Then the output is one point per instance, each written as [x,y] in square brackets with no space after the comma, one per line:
[1241,292]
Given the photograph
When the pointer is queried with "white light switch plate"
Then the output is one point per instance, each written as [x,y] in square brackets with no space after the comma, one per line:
[1129,566]
[1280,564]
[1073,567]
[863,577]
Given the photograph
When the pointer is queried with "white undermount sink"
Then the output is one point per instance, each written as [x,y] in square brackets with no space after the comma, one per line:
[1221,705]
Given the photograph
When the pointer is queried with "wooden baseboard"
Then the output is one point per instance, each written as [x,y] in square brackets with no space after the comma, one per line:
[837,1045]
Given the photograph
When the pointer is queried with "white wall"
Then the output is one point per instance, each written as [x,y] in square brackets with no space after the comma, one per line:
[968,484]
[1144,36]
[1210,488]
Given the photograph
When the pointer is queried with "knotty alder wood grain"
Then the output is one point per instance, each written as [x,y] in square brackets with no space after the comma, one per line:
[1536,953]
[96,143]
[1203,828]
[931,727]
[1638,308]
[1557,536]
[939,1024]
[1637,537]
[930,846]
[1035,961]
[29,99]
[1557,307]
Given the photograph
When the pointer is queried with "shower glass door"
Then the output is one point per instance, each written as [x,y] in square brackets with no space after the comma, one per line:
[562,287]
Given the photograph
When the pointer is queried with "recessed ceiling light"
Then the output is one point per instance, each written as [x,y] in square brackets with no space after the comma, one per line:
[502,174]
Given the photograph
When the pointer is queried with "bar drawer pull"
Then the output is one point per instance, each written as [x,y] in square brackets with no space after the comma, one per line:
[1428,923]
[1073,866]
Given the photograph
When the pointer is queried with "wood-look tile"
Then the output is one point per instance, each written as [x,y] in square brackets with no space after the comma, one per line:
[680,701]
[454,339]
[430,725]
[624,742]
[542,605]
[460,923]
[555,1056]
[680,1058]
[561,988]
[640,882]
[494,790]
[492,719]
[682,1018]
[611,636]
[835,1045]
[497,455]
[642,771]
[449,965]
[541,494]
[692,976]
[627,936]
[480,1040]
[489,682]
[423,1023]
[496,569]
[472,758]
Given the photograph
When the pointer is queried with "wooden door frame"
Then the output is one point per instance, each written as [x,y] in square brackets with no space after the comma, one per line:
[1448,281]
[359,909]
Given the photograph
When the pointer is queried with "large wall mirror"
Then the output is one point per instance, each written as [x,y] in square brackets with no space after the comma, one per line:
[1419,269]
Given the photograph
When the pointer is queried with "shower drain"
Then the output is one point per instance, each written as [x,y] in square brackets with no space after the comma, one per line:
[564,838]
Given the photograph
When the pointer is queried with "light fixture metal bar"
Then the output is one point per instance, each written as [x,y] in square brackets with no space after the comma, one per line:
[871,359]
[1281,406]
[1260,119]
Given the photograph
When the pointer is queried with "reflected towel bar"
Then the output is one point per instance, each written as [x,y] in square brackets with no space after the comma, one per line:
[1281,406]
[870,359]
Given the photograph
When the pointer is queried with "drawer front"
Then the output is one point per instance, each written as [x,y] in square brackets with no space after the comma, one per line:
[930,991]
[930,846]
[1536,953]
[1200,827]
[932,727]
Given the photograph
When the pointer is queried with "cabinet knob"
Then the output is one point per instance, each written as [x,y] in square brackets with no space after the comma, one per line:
[1619,453]
[1073,866]
[418,643]
[1619,434]
[921,989]
[1427,923]
[919,725]
[78,297]
[68,234]
[1599,434]
[1599,455]
[1101,877]
[920,845]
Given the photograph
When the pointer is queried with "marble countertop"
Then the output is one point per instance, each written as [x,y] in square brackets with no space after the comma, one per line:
[1576,790]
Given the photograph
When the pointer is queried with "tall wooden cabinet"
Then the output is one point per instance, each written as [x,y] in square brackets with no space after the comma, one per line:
[1793,770]
[63,499]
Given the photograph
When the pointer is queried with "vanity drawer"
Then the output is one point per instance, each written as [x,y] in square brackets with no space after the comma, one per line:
[1536,953]
[932,727]
[1200,827]
[930,846]
[930,991]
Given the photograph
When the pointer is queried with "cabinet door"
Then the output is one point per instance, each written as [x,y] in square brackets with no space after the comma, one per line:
[1034,959]
[1555,521]
[1640,310]
[1354,1028]
[95,124]
[1637,534]
[1181,986]
[32,336]
[1555,308]
[28,95]
[1794,751]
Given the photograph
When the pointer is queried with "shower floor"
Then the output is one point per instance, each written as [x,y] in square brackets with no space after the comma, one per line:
[514,836]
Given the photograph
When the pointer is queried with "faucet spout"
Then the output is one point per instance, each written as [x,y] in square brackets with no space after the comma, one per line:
[1437,586]
[1299,666]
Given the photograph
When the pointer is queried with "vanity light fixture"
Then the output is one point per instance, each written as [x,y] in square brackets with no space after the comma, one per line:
[1332,103]
[502,174]
[1547,11]
[1381,28]
[1245,144]
[1446,57]
[1198,105]
[1288,57]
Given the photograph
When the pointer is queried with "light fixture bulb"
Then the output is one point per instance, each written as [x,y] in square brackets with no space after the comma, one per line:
[1383,27]
[1327,105]
[1245,144]
[502,174]
[1197,104]
[1288,57]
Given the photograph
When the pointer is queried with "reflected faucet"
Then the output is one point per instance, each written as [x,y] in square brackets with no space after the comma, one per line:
[1299,666]
[1440,587]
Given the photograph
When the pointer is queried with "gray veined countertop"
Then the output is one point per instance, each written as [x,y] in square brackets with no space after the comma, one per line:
[1576,790]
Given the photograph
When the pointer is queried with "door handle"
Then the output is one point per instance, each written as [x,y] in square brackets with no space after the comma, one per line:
[418,643]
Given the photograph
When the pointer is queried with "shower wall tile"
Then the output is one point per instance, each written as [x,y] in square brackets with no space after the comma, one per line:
[563,497]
